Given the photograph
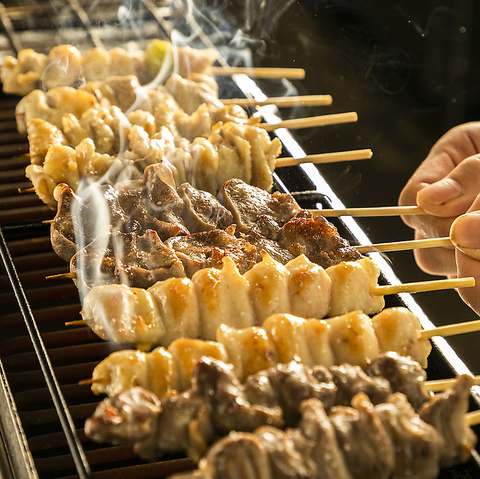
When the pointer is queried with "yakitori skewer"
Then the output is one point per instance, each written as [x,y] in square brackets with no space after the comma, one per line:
[260,72]
[438,385]
[405,245]
[312,121]
[373,211]
[363,154]
[354,338]
[422,286]
[281,101]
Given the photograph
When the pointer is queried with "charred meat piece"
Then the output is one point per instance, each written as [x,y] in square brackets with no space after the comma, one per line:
[445,412]
[247,203]
[125,258]
[231,410]
[404,374]
[351,380]
[392,442]
[291,383]
[126,418]
[287,452]
[206,249]
[270,246]
[317,239]
[365,444]
[79,220]
[133,201]
[202,211]
[417,445]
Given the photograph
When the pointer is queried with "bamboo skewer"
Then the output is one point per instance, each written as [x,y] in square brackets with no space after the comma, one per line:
[311,121]
[26,190]
[260,72]
[373,211]
[62,276]
[281,101]
[439,385]
[451,329]
[423,286]
[472,418]
[405,245]
[326,158]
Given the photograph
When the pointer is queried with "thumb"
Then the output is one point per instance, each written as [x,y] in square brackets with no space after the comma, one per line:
[465,234]
[452,195]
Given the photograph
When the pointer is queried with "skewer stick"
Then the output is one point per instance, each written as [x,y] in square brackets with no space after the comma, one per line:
[473,418]
[439,385]
[91,381]
[260,72]
[421,286]
[282,101]
[48,222]
[26,190]
[374,211]
[326,158]
[405,245]
[62,276]
[311,121]
[76,322]
[451,329]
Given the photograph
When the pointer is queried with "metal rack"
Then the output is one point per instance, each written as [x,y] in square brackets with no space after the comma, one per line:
[41,404]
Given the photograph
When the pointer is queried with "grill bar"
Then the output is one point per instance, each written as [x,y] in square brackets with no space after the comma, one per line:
[69,429]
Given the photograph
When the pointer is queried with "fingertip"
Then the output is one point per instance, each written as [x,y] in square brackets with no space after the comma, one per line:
[465,234]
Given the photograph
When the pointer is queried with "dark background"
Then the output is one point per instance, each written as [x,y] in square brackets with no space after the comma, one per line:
[411,71]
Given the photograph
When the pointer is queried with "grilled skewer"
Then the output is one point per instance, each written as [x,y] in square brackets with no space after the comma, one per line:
[274,396]
[354,338]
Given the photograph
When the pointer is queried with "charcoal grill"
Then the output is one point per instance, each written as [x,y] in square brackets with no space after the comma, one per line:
[42,405]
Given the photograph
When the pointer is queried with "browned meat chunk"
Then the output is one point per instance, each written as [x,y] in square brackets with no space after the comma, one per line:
[205,250]
[126,258]
[404,374]
[417,445]
[365,444]
[262,243]
[317,239]
[247,203]
[231,411]
[351,380]
[237,456]
[126,418]
[202,211]
[83,217]
[287,460]
[290,383]
[445,412]
[323,447]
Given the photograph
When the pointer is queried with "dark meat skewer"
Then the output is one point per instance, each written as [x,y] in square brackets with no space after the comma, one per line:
[218,403]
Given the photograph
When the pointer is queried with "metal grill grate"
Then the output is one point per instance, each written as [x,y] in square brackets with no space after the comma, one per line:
[42,360]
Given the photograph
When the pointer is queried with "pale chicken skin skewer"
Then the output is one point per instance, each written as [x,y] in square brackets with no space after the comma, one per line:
[354,338]
[75,134]
[65,65]
[158,315]
[231,150]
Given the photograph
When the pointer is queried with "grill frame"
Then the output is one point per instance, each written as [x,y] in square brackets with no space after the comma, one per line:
[35,323]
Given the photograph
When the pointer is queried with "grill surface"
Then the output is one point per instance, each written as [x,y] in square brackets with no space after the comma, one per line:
[43,406]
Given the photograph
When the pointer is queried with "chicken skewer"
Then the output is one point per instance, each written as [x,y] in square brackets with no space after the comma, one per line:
[65,65]
[354,338]
[215,296]
[353,442]
[197,230]
[273,396]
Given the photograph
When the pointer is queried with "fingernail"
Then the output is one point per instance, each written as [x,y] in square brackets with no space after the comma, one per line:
[441,192]
[465,234]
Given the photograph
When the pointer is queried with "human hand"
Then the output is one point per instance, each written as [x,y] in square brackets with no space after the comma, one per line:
[446,186]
